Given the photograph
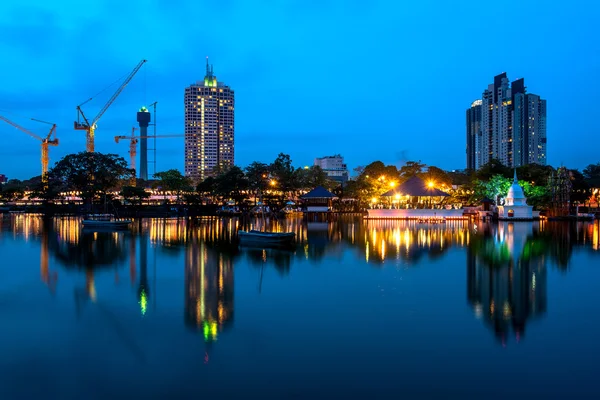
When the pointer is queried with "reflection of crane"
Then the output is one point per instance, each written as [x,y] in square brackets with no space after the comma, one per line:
[133,143]
[90,126]
[45,142]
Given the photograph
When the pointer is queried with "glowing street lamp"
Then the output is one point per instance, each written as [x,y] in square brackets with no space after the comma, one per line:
[272,182]
[430,184]
[392,184]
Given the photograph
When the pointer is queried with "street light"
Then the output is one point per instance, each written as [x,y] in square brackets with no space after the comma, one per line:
[392,184]
[272,182]
[430,184]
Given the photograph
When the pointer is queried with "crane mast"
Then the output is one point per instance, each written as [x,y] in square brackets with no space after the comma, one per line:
[90,126]
[45,142]
[133,141]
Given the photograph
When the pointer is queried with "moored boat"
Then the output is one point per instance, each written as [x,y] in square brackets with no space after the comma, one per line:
[104,221]
[255,237]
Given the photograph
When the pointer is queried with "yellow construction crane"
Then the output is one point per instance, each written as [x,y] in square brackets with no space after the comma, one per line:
[48,141]
[90,126]
[133,141]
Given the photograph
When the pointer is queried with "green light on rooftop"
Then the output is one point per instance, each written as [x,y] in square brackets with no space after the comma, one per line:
[143,109]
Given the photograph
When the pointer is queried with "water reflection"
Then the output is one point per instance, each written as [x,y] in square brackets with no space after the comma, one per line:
[506,276]
[208,290]
[507,263]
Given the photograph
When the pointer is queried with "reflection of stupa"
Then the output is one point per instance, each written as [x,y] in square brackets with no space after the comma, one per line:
[208,290]
[515,205]
[507,288]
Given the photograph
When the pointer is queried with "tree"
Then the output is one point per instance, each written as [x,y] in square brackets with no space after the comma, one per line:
[207,187]
[91,174]
[411,168]
[173,181]
[232,183]
[257,174]
[494,189]
[134,195]
[591,173]
[494,167]
[283,172]
[309,178]
[438,176]
[579,187]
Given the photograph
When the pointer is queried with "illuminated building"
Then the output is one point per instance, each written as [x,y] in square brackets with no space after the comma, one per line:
[473,134]
[334,167]
[507,124]
[209,126]
[3,178]
[208,290]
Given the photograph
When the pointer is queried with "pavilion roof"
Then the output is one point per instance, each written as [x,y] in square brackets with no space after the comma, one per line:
[319,193]
[416,186]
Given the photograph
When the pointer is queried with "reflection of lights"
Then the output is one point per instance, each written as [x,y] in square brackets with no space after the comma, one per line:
[478,310]
[506,310]
[143,302]
[533,281]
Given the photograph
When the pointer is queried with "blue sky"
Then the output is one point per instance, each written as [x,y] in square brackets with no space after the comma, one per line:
[372,80]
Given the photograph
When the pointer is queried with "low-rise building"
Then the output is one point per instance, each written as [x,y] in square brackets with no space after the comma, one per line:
[334,167]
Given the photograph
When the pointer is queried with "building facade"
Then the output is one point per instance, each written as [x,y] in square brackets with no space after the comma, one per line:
[507,124]
[209,127]
[3,178]
[334,167]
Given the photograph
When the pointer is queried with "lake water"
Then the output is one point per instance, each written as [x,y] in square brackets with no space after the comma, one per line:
[379,309]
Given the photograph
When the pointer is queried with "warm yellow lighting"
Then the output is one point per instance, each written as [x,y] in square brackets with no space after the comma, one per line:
[430,184]
[392,184]
[374,200]
[397,196]
[272,183]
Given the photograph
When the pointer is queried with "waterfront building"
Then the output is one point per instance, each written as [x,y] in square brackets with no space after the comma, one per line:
[334,167]
[209,127]
[515,204]
[507,124]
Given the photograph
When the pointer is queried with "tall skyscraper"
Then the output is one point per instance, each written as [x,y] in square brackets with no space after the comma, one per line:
[209,126]
[507,124]
[473,134]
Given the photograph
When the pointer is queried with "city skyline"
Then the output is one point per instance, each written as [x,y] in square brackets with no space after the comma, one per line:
[272,63]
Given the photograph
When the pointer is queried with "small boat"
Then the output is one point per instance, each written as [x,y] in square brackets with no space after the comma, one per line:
[104,221]
[255,237]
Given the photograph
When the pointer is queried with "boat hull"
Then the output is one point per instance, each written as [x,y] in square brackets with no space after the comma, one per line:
[266,238]
[106,224]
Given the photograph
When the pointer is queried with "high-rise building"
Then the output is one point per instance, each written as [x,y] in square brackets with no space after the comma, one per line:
[209,127]
[473,134]
[334,167]
[507,124]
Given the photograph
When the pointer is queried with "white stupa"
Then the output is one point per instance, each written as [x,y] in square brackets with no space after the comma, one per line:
[515,205]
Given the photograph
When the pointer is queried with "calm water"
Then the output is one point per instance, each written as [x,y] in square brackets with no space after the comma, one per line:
[377,310]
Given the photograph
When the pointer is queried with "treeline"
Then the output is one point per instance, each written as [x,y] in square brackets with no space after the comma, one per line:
[96,176]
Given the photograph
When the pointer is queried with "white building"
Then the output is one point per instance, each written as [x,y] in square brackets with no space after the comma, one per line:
[209,126]
[334,167]
[515,204]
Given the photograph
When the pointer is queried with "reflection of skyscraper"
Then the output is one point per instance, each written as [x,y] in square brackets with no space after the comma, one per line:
[506,279]
[208,290]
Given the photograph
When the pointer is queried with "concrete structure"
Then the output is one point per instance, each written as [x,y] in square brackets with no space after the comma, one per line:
[473,134]
[143,118]
[507,124]
[3,178]
[209,127]
[334,167]
[515,204]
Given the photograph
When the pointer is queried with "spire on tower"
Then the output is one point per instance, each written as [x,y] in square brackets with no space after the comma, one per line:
[515,178]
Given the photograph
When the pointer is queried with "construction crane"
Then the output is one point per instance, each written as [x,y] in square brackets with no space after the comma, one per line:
[48,141]
[133,141]
[90,126]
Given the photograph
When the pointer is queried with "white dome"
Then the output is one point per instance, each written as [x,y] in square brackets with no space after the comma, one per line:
[515,192]
[515,196]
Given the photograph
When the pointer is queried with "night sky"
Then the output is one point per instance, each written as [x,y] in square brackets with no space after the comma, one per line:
[372,80]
